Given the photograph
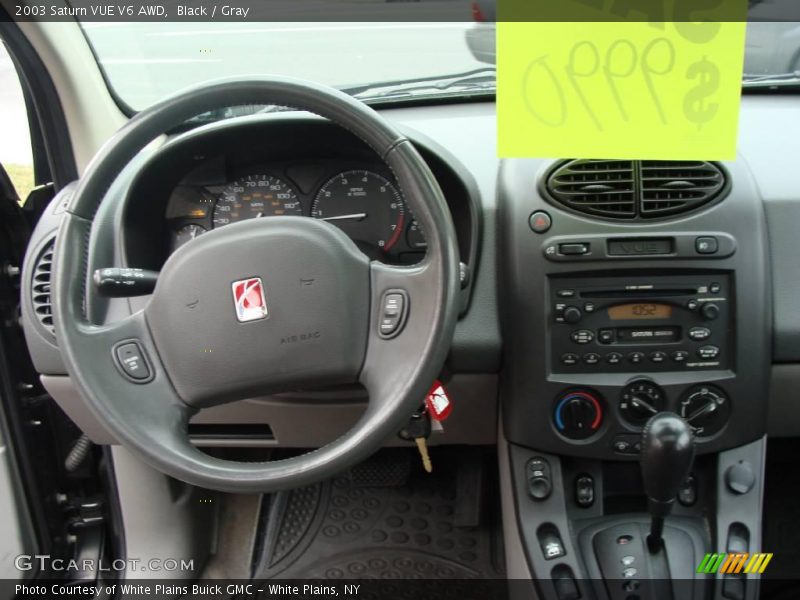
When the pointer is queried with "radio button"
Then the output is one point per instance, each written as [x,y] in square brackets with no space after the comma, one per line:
[692,304]
[569,359]
[589,307]
[636,357]
[698,334]
[591,359]
[658,356]
[680,356]
[605,336]
[613,358]
[708,352]
[715,288]
[565,293]
[581,336]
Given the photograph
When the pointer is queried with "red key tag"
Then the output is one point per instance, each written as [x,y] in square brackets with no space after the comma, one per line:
[437,402]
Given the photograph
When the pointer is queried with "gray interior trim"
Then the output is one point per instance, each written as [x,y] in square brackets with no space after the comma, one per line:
[473,420]
[162,518]
[516,562]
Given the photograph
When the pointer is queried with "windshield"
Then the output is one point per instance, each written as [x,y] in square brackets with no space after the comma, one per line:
[144,62]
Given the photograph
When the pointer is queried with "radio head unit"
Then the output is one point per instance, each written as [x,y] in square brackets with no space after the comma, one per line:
[661,323]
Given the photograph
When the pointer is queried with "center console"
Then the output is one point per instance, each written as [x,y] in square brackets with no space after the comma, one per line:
[607,322]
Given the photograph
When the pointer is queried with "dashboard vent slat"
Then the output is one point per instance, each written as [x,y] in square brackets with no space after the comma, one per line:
[635,190]
[40,288]
[596,187]
[679,187]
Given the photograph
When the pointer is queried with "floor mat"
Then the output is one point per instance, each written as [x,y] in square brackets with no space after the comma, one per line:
[386,519]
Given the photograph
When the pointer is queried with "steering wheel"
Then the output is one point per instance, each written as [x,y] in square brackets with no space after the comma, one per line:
[261,306]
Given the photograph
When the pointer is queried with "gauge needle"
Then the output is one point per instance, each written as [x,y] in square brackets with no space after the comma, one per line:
[350,217]
[646,405]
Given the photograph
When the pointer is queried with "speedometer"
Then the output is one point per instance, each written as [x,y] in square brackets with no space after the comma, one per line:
[255,196]
[365,205]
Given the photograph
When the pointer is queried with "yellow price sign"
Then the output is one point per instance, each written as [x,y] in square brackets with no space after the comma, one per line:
[626,90]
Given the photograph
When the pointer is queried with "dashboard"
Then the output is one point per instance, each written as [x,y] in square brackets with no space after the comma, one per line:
[514,339]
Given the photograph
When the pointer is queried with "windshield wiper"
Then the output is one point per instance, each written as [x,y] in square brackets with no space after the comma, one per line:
[477,81]
[788,79]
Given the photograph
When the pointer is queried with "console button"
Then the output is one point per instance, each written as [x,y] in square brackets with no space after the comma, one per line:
[740,478]
[573,249]
[692,304]
[605,336]
[687,495]
[569,359]
[715,288]
[538,474]
[130,358]
[706,245]
[565,293]
[658,356]
[591,358]
[680,356]
[540,221]
[550,541]
[613,358]
[699,334]
[584,491]
[621,446]
[708,352]
[636,357]
[589,307]
[582,336]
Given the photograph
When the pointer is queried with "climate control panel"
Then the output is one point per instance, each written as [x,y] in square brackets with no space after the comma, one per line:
[581,415]
[616,324]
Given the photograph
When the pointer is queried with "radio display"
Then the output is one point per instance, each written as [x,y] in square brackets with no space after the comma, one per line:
[639,311]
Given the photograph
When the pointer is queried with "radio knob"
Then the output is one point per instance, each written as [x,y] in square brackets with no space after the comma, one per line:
[710,311]
[572,314]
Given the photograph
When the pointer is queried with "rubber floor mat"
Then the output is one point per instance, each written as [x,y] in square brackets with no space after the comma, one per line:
[385,519]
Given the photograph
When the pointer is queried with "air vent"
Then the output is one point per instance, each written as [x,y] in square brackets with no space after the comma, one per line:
[596,187]
[635,190]
[40,288]
[670,188]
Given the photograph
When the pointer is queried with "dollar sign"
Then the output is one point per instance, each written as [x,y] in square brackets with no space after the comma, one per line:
[695,103]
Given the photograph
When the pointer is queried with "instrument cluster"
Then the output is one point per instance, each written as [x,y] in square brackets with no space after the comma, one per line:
[363,200]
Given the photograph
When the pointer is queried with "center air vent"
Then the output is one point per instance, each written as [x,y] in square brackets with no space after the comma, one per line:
[40,288]
[634,190]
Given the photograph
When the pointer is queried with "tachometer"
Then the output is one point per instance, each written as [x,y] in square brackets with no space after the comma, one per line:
[255,196]
[365,205]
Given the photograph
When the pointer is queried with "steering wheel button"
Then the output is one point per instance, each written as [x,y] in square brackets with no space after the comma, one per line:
[394,306]
[131,360]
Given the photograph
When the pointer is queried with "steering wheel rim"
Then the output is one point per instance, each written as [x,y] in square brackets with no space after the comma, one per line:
[151,418]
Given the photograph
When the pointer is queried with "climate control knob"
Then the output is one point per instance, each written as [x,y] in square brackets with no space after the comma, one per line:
[578,414]
[641,400]
[706,409]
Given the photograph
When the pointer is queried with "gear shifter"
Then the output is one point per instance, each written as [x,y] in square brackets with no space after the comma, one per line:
[667,453]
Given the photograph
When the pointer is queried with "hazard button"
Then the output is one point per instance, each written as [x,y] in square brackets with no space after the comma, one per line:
[540,221]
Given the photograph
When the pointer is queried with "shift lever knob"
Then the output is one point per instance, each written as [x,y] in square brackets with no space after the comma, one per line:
[667,454]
